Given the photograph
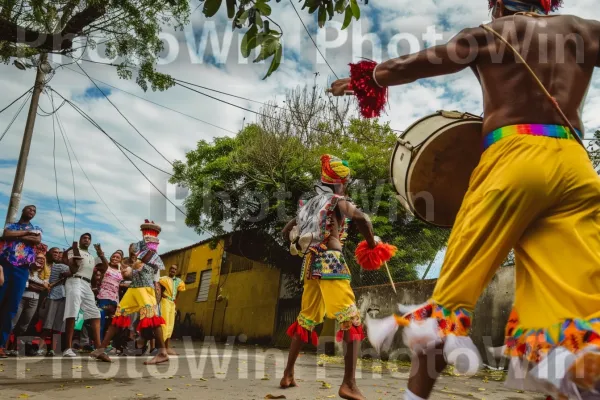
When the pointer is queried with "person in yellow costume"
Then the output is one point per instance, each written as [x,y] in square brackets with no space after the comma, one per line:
[534,191]
[321,226]
[171,286]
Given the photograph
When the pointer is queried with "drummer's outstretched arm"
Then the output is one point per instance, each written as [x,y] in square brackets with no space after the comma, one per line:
[459,53]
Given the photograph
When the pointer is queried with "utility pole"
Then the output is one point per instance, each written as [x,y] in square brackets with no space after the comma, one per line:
[15,198]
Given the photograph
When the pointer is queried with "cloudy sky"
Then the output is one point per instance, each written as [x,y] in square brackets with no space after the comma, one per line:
[207,53]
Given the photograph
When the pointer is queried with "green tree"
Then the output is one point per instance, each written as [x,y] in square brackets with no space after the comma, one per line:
[129,29]
[254,181]
[255,15]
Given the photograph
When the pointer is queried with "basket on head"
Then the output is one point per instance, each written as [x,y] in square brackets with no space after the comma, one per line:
[150,231]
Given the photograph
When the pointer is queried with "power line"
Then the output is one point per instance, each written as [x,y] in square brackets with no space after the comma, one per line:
[198,86]
[126,149]
[156,104]
[15,100]
[70,163]
[56,182]
[311,38]
[15,117]
[249,110]
[119,111]
[63,130]
[94,123]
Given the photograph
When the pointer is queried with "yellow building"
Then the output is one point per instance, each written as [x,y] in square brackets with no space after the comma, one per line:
[229,291]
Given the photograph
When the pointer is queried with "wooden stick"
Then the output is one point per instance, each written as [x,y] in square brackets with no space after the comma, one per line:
[390,276]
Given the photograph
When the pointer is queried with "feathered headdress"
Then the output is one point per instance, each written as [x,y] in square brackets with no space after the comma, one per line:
[547,5]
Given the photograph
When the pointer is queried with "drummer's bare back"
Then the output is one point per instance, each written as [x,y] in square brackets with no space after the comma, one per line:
[561,50]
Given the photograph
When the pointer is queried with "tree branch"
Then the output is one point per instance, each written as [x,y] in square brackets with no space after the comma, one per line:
[13,33]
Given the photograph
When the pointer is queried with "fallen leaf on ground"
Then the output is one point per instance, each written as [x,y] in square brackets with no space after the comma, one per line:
[202,379]
[169,389]
[139,394]
[23,396]
[325,385]
[270,396]
[89,387]
[266,378]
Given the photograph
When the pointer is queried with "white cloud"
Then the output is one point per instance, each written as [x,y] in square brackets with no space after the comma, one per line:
[122,187]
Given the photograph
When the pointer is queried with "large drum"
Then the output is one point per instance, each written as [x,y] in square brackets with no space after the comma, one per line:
[432,164]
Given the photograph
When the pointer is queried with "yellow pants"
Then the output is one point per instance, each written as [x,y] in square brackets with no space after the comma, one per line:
[540,196]
[168,312]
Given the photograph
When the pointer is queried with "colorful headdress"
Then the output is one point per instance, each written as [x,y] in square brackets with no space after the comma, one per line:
[520,6]
[334,170]
[150,231]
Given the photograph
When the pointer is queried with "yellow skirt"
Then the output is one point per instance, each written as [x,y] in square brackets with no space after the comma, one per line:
[140,301]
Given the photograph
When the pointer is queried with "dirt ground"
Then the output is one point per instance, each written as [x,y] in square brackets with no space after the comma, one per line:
[209,371]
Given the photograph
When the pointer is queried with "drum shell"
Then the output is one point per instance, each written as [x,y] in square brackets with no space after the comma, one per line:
[432,163]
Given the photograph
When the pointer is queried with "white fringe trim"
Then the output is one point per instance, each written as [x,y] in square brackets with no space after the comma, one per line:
[549,376]
[408,395]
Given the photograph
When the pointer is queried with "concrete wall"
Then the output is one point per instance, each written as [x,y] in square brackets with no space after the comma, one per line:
[490,317]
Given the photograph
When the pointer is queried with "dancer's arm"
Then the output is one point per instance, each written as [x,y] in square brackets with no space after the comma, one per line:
[363,223]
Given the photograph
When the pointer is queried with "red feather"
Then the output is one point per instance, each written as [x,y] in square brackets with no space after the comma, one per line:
[547,4]
[372,259]
[371,98]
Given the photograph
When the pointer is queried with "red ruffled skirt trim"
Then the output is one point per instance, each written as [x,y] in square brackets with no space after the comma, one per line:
[356,334]
[296,330]
[151,322]
[121,321]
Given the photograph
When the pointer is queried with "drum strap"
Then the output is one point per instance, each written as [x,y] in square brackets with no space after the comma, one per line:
[540,84]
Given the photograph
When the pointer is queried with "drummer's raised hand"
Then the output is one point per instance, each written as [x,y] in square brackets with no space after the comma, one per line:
[340,87]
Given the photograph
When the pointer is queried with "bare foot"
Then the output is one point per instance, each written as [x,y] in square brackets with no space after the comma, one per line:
[171,352]
[96,353]
[585,372]
[159,359]
[288,381]
[350,391]
[104,358]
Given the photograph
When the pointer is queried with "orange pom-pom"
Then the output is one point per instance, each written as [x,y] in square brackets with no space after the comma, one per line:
[372,259]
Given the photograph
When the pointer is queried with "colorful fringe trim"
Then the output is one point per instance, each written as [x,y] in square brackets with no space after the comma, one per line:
[553,131]
[371,98]
[297,330]
[535,344]
[457,322]
[151,323]
[122,321]
[356,334]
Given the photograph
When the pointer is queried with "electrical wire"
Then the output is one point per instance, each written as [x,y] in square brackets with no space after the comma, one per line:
[15,100]
[15,117]
[56,183]
[125,148]
[156,104]
[198,86]
[70,163]
[122,115]
[95,124]
[64,132]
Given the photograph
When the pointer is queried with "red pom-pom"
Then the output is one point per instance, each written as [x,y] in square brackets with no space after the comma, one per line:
[356,334]
[372,259]
[371,98]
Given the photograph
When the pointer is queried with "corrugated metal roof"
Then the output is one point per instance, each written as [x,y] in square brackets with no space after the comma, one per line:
[191,246]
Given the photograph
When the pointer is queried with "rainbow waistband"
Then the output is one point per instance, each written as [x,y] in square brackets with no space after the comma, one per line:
[553,131]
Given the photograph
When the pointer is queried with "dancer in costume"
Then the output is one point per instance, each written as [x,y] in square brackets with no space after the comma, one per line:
[171,287]
[324,220]
[140,299]
[535,190]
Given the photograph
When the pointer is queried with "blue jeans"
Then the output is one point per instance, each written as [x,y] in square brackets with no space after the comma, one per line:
[15,279]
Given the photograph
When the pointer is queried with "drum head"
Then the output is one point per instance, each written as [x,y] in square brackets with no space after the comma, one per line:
[441,169]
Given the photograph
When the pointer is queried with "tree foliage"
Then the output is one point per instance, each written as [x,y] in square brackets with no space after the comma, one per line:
[129,29]
[255,15]
[253,181]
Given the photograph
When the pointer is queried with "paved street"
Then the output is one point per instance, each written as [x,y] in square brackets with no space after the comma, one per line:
[224,372]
